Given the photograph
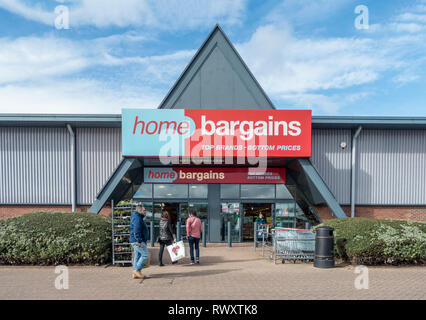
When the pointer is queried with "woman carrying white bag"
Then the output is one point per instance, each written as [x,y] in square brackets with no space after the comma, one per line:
[165,237]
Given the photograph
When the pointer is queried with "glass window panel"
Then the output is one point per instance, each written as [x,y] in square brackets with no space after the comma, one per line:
[144,191]
[283,193]
[284,215]
[230,212]
[257,191]
[170,191]
[230,191]
[200,209]
[198,191]
[152,214]
[183,216]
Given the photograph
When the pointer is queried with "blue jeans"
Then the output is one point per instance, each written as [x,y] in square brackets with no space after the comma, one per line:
[140,255]
[194,242]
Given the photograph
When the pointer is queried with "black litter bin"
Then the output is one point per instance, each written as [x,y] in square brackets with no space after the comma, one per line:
[324,247]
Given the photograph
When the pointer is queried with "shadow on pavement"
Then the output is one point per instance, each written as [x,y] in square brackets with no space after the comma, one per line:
[212,260]
[342,264]
[189,274]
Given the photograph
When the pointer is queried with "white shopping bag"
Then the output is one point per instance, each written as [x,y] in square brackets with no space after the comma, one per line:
[176,251]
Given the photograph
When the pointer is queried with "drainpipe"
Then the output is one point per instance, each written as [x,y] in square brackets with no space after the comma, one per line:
[353,194]
[73,200]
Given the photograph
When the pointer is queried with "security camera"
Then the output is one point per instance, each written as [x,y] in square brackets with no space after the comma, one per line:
[343,145]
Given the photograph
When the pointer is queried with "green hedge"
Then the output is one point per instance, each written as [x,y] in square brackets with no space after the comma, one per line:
[374,241]
[55,238]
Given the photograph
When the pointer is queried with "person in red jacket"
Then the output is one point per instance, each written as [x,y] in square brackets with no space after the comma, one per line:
[194,228]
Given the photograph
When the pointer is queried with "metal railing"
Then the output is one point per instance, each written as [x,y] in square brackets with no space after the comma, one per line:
[263,237]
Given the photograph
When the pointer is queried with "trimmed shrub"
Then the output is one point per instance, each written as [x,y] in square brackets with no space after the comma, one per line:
[374,241]
[48,238]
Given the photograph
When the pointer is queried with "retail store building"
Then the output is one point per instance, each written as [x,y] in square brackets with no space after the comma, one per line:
[362,166]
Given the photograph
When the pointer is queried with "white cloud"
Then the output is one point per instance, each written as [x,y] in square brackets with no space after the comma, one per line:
[159,14]
[405,77]
[76,96]
[306,11]
[329,104]
[40,74]
[411,21]
[34,58]
[286,64]
[50,74]
[131,36]
[317,102]
[34,12]
[40,58]
[312,72]
[408,16]
[159,68]
[408,27]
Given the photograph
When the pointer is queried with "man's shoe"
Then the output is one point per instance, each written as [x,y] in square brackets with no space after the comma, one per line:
[161,265]
[198,261]
[137,274]
[192,262]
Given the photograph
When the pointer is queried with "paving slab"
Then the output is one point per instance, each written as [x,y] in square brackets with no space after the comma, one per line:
[224,273]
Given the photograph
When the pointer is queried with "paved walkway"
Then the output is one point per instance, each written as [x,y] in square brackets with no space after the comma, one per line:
[224,273]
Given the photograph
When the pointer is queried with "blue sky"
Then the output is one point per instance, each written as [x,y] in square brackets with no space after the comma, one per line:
[128,53]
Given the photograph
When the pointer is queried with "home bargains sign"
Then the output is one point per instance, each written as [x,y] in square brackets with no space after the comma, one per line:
[216,133]
[213,175]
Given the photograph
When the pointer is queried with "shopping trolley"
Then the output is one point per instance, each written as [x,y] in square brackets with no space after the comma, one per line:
[293,244]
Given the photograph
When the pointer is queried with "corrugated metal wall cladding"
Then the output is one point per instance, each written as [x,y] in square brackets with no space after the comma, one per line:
[35,166]
[332,162]
[98,154]
[392,167]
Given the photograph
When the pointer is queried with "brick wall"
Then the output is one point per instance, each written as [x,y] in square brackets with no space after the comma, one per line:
[9,211]
[405,213]
[378,212]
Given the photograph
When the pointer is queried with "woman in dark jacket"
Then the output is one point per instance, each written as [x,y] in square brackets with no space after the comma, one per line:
[166,235]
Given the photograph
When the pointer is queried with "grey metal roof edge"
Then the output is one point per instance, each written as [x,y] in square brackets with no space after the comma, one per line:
[368,122]
[359,119]
[60,120]
[17,119]
[187,69]
[57,117]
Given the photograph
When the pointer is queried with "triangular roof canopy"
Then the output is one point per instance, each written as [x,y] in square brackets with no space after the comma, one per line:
[216,78]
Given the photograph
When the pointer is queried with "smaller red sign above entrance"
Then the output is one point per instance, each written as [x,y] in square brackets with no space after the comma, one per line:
[214,175]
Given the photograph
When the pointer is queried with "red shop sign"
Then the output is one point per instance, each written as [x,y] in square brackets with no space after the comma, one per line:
[209,133]
[214,175]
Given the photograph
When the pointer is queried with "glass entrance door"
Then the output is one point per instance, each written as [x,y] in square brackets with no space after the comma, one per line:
[201,210]
[231,211]
[181,222]
[202,213]
[154,215]
[255,212]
